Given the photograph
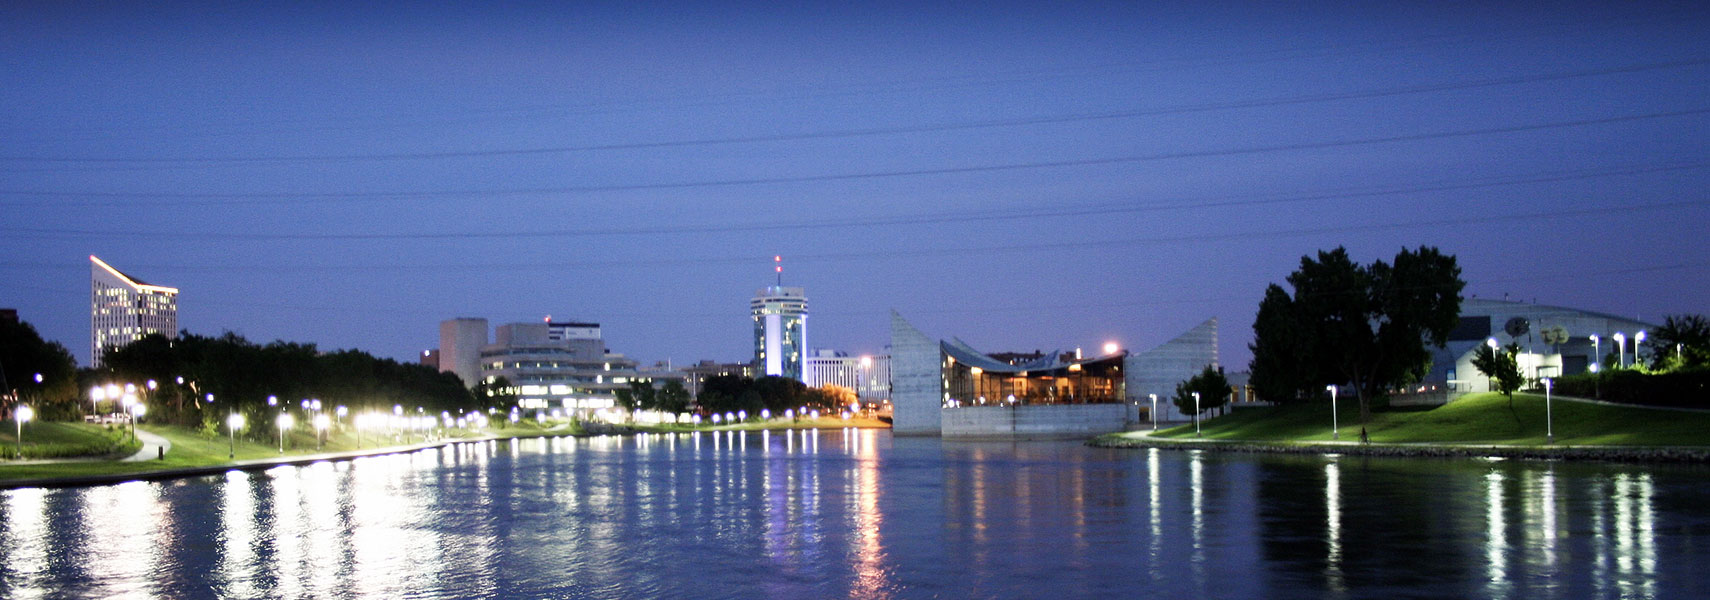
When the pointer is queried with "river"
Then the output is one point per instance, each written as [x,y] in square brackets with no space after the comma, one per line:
[860,514]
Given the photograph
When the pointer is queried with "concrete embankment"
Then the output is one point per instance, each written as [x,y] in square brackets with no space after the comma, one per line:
[1630,454]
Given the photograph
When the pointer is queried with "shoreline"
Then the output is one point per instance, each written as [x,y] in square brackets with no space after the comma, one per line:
[263,464]
[1617,454]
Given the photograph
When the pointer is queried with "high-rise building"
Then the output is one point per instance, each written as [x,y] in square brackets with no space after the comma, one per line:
[780,331]
[123,309]
[460,342]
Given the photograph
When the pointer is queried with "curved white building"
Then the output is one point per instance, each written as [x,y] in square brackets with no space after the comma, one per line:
[123,309]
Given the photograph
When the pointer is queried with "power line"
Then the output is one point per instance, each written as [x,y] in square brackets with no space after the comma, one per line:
[911,219]
[877,131]
[974,250]
[298,197]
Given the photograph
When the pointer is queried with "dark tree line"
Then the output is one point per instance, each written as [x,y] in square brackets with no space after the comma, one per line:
[23,355]
[1365,326]
[241,375]
[729,393]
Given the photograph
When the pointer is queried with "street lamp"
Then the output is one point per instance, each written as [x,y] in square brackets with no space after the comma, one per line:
[1549,419]
[130,400]
[1620,350]
[1596,352]
[96,394]
[1196,415]
[22,414]
[1638,338]
[285,422]
[1335,428]
[321,422]
[1154,412]
[234,423]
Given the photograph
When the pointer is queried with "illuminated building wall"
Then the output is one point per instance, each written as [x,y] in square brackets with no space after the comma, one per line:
[123,309]
[460,342]
[780,331]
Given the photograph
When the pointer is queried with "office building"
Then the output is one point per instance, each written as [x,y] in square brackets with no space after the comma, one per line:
[123,309]
[780,331]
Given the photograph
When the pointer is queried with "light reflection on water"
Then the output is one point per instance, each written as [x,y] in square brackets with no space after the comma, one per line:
[857,513]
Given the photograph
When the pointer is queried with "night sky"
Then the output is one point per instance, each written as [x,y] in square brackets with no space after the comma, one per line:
[1023,177]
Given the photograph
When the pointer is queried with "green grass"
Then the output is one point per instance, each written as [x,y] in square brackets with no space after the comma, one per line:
[1472,419]
[52,439]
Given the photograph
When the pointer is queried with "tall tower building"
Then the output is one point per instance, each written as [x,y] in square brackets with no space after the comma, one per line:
[780,330]
[123,309]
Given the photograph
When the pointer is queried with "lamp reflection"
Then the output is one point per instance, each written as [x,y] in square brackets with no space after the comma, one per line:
[1333,524]
[1496,536]
[26,541]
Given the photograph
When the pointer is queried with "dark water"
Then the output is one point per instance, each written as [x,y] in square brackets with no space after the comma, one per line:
[860,514]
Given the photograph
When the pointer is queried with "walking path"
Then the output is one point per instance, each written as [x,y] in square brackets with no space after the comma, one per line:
[153,447]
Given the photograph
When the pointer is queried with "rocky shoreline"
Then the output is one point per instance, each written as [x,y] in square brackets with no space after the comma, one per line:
[1633,454]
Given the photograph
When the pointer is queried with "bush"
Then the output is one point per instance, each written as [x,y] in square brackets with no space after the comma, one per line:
[1685,388]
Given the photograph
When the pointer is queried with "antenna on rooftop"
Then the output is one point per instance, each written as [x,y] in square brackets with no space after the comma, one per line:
[778,264]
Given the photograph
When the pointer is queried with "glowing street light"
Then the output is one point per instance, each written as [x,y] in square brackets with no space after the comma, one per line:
[129,400]
[1620,350]
[96,394]
[1196,415]
[1154,412]
[285,422]
[1549,419]
[1638,338]
[321,423]
[1335,428]
[234,423]
[21,415]
[1111,348]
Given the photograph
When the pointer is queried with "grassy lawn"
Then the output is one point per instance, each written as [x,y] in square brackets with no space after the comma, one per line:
[53,439]
[1472,419]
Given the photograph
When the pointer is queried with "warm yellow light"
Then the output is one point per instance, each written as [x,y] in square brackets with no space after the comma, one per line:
[286,421]
[24,414]
[235,422]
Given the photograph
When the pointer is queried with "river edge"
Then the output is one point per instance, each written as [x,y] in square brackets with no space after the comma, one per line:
[1618,454]
[263,464]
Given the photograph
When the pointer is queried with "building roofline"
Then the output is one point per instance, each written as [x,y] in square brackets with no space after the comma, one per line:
[132,281]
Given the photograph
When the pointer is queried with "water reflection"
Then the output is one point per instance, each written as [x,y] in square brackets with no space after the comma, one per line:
[856,513]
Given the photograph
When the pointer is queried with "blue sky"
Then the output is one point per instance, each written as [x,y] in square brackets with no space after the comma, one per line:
[1021,176]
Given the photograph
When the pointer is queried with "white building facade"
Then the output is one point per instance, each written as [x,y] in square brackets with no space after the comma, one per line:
[869,376]
[563,366]
[780,331]
[123,309]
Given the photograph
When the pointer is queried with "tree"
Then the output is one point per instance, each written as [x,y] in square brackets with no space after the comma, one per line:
[1213,388]
[495,393]
[1283,367]
[673,397]
[1682,341]
[23,355]
[1502,366]
[1365,326]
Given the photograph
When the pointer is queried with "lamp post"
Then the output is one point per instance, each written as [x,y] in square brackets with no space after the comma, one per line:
[1335,427]
[96,394]
[321,422]
[130,400]
[234,423]
[1154,412]
[1620,350]
[22,414]
[285,422]
[1638,338]
[1196,415]
[1549,419]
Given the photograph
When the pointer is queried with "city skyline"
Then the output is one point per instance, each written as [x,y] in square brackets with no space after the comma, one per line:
[1022,176]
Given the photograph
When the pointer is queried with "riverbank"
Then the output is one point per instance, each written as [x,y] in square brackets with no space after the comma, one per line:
[194,456]
[1633,454]
[1477,425]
